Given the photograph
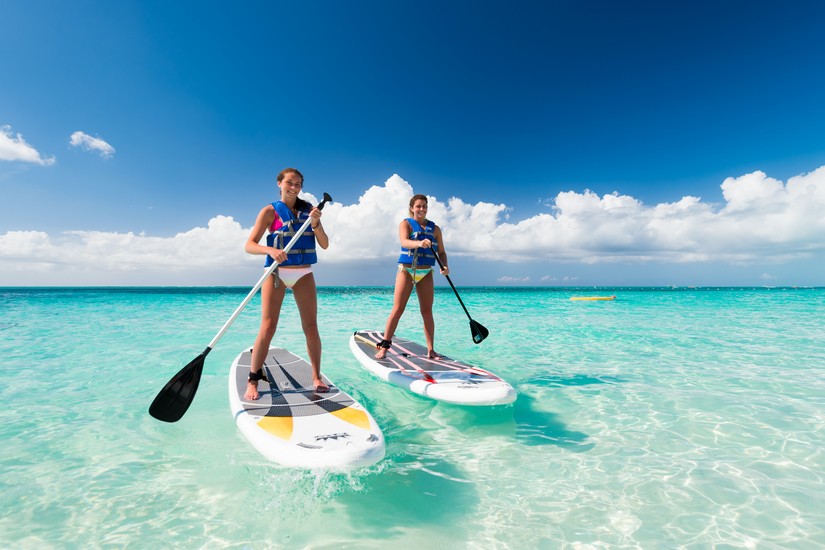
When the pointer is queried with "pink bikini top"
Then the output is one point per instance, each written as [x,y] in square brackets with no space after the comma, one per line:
[276,224]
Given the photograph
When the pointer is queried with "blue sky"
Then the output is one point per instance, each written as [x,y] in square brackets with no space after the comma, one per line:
[561,143]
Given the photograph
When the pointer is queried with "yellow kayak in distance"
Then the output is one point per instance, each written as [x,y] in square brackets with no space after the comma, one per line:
[592,298]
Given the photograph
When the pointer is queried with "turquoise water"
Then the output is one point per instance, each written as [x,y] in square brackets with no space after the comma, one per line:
[665,418]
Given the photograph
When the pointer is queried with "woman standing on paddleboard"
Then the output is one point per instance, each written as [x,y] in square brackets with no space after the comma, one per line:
[282,219]
[420,240]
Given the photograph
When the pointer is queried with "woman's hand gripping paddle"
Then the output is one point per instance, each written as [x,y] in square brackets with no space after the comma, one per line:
[174,399]
[476,328]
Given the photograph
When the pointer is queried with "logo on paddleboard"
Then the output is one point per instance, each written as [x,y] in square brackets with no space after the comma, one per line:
[331,436]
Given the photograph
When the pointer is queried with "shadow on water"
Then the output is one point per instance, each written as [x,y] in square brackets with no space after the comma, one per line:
[554,381]
[537,427]
[416,486]
[522,421]
[437,489]
[527,420]
[417,491]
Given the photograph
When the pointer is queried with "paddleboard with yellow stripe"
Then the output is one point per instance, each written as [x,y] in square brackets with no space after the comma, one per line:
[294,425]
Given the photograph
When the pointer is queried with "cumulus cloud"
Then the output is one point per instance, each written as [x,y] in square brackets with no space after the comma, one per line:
[14,148]
[760,219]
[219,243]
[89,143]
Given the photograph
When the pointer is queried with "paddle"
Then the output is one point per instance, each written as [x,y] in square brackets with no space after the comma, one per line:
[477,329]
[174,399]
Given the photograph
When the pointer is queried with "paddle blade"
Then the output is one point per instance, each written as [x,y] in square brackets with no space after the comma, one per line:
[174,399]
[479,332]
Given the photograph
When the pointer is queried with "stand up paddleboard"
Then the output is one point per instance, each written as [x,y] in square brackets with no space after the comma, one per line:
[592,298]
[407,366]
[294,425]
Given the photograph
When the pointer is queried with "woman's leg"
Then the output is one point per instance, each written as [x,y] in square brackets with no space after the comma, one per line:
[306,297]
[403,289]
[425,289]
[271,299]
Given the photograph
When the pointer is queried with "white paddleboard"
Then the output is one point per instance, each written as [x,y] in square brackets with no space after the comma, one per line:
[407,366]
[294,425]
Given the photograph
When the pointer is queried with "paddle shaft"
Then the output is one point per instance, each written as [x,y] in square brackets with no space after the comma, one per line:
[260,282]
[452,285]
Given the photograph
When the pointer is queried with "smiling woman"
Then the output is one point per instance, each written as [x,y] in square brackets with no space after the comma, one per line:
[174,399]
[287,219]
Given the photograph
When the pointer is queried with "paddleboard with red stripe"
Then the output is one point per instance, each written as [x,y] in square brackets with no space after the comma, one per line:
[294,425]
[407,366]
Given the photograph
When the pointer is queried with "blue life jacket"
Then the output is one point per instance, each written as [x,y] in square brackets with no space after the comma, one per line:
[420,256]
[304,250]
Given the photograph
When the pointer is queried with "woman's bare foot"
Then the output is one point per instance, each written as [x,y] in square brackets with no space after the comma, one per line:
[252,385]
[383,347]
[431,354]
[251,390]
[319,386]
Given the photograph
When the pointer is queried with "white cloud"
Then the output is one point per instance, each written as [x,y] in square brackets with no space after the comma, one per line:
[761,219]
[14,148]
[89,143]
[552,279]
[220,243]
[509,280]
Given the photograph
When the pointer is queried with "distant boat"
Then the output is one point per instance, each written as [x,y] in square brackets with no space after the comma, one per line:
[591,298]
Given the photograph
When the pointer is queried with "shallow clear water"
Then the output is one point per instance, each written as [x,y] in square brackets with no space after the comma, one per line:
[668,417]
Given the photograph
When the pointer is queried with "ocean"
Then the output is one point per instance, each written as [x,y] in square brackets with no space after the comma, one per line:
[666,418]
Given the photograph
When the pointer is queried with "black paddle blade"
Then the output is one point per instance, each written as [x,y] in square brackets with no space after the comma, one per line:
[479,332]
[174,399]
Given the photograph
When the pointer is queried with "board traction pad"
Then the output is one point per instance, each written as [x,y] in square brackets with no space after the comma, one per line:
[403,351]
[287,390]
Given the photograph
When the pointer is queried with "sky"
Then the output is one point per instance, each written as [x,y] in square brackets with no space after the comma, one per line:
[560,143]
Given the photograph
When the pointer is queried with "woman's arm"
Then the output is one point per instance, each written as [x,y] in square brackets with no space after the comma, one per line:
[253,243]
[321,236]
[404,230]
[442,252]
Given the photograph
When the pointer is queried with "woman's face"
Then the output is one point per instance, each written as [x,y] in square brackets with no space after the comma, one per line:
[291,185]
[419,209]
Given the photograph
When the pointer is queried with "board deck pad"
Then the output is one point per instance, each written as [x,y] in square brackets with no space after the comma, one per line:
[287,390]
[293,424]
[445,379]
